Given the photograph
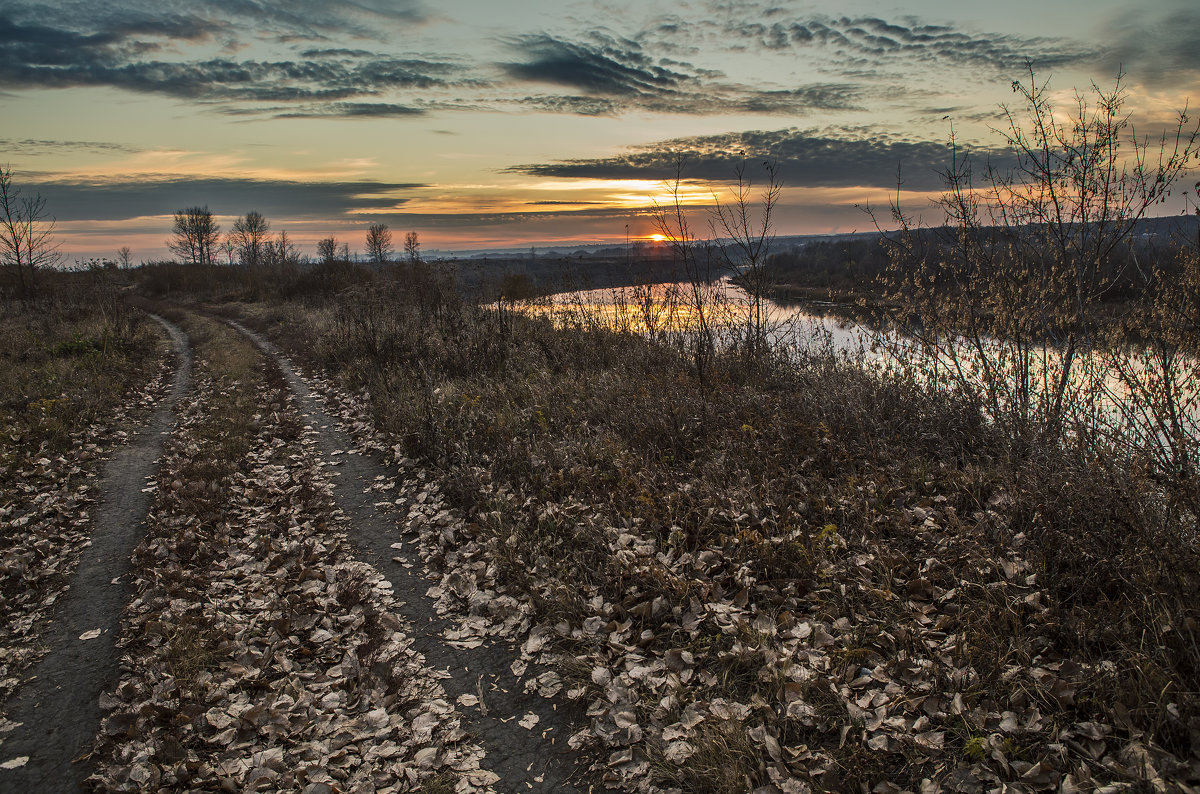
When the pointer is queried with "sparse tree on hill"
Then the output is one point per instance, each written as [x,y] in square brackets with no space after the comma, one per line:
[125,257]
[412,247]
[250,236]
[26,244]
[327,249]
[379,243]
[194,235]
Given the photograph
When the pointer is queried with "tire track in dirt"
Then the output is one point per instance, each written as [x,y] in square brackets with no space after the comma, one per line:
[525,760]
[58,707]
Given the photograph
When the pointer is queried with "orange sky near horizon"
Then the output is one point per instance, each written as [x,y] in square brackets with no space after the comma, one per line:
[483,125]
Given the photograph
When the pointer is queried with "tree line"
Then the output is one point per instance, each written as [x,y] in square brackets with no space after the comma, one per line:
[196,238]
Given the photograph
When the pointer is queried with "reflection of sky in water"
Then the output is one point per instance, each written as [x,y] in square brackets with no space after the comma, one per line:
[668,311]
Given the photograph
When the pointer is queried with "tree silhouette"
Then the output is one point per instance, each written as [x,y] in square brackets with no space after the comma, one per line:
[327,249]
[379,243]
[194,235]
[250,237]
[412,247]
[26,244]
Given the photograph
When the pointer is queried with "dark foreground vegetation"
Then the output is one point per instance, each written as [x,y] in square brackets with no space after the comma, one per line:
[799,569]
[74,363]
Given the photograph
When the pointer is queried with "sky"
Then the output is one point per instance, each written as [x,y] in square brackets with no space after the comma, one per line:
[490,123]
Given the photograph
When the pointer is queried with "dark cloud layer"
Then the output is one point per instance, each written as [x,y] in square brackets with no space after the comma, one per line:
[605,68]
[469,220]
[285,20]
[862,42]
[41,56]
[134,47]
[120,200]
[1163,52]
[615,75]
[804,159]
[350,110]
[34,147]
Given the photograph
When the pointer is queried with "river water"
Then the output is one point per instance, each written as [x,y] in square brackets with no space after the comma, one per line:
[671,309]
[1121,391]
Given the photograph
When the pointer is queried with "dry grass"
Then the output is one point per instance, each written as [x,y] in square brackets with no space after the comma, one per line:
[937,552]
[66,361]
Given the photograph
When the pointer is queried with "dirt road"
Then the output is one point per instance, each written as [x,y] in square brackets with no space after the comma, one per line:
[57,707]
[528,753]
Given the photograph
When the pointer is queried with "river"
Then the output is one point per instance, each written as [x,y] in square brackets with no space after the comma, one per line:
[1121,390]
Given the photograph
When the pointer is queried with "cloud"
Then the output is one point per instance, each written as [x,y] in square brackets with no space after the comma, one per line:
[467,220]
[312,53]
[122,199]
[1162,51]
[350,110]
[288,20]
[316,19]
[607,68]
[40,56]
[856,42]
[154,48]
[30,147]
[804,159]
[613,75]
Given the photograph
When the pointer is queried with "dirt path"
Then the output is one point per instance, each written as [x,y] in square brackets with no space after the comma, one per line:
[57,708]
[525,758]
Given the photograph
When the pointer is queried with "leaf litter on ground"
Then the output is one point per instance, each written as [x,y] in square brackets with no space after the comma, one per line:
[872,662]
[259,654]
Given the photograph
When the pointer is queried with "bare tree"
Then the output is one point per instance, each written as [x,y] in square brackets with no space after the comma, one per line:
[125,257]
[250,236]
[327,249]
[412,247]
[194,235]
[26,242]
[695,256]
[285,252]
[228,249]
[746,223]
[379,243]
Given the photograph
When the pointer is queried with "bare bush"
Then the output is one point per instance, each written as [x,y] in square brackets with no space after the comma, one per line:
[26,234]
[1006,303]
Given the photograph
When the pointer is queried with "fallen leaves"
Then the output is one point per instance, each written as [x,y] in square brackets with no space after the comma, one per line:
[259,653]
[45,521]
[691,653]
